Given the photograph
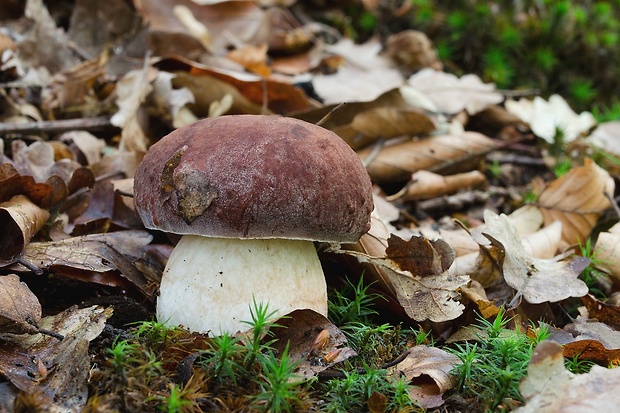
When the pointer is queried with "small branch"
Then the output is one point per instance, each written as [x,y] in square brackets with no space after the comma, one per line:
[56,126]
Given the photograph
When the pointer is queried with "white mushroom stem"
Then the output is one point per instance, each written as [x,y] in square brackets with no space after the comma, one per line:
[209,283]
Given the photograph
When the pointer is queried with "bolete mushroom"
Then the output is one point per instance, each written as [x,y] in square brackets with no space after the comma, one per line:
[249,194]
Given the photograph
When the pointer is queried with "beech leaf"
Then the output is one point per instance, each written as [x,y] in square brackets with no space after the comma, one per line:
[428,371]
[20,309]
[397,160]
[550,388]
[577,199]
[538,280]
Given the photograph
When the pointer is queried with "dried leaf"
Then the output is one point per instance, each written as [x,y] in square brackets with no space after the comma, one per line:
[20,310]
[428,371]
[603,312]
[607,250]
[550,388]
[426,185]
[20,219]
[538,280]
[390,122]
[365,75]
[396,161]
[131,91]
[430,296]
[577,199]
[94,253]
[545,118]
[419,255]
[300,330]
[605,136]
[451,94]
[57,369]
[239,17]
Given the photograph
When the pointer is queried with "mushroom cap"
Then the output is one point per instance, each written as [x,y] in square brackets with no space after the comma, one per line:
[253,176]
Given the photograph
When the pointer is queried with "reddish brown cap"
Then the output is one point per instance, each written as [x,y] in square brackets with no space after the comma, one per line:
[250,176]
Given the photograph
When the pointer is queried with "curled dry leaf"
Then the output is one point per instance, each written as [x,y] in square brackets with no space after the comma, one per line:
[550,388]
[577,199]
[396,161]
[20,310]
[20,219]
[426,185]
[537,280]
[427,369]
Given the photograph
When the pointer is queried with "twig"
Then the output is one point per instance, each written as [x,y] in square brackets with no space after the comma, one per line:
[331,113]
[56,126]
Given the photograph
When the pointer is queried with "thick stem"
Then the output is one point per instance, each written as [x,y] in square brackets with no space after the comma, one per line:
[209,283]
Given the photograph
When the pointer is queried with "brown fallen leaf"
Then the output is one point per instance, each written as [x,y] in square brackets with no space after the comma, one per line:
[603,312]
[94,253]
[537,280]
[315,343]
[586,339]
[20,310]
[55,369]
[20,220]
[431,296]
[426,185]
[390,122]
[577,199]
[397,160]
[550,388]
[428,371]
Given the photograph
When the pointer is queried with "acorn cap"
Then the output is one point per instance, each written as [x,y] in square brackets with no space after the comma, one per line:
[253,176]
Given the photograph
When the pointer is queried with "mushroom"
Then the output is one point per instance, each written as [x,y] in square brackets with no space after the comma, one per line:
[249,194]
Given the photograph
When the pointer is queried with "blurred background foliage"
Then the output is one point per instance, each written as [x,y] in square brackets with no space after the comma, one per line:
[571,48]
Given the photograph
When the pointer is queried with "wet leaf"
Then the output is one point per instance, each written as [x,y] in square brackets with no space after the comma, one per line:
[20,310]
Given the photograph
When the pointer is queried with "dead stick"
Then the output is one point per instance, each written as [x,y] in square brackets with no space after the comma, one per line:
[55,126]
